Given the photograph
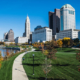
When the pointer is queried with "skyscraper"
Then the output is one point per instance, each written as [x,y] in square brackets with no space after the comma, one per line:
[67,17]
[5,35]
[27,28]
[9,36]
[54,21]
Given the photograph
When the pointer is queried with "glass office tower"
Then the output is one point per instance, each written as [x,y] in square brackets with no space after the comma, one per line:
[67,17]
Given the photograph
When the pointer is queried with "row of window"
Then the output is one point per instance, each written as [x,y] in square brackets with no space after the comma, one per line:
[70,12]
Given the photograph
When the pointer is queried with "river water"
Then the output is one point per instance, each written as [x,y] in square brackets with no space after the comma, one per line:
[4,51]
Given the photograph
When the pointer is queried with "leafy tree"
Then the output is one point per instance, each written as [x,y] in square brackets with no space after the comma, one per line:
[59,42]
[78,58]
[11,43]
[71,42]
[66,41]
[46,67]
[76,41]
[7,52]
[1,59]
[51,49]
[45,52]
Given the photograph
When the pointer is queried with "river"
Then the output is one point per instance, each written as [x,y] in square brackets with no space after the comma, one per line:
[4,51]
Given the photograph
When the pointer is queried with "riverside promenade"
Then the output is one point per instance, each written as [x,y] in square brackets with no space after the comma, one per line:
[18,72]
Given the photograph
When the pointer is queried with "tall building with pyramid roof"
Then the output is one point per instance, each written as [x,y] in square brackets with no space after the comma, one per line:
[27,28]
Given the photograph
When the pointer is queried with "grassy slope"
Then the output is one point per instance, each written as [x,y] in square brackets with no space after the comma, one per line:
[6,69]
[64,67]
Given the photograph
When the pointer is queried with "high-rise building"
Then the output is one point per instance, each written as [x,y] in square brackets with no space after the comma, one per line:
[54,21]
[42,34]
[11,35]
[67,17]
[27,28]
[5,35]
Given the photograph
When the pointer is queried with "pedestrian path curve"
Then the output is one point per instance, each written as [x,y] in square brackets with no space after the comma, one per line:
[18,72]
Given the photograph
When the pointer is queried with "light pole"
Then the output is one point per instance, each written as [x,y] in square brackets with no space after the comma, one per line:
[23,59]
[33,64]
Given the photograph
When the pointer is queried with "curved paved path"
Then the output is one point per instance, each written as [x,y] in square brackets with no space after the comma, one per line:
[18,72]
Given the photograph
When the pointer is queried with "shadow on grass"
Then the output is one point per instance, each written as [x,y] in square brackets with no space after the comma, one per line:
[69,51]
[44,64]
[37,50]
[61,64]
[31,64]
[43,78]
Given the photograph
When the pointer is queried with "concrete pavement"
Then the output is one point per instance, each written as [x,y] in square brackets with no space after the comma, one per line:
[18,72]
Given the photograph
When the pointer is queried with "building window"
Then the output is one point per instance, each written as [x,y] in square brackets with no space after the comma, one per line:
[71,12]
[61,12]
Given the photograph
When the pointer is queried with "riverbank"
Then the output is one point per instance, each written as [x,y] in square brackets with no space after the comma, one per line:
[6,68]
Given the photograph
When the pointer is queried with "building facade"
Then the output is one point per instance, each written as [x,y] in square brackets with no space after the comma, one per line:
[21,40]
[27,28]
[79,35]
[42,35]
[5,35]
[71,33]
[67,17]
[9,36]
[54,21]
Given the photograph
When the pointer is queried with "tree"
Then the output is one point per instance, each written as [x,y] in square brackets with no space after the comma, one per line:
[11,43]
[78,58]
[59,42]
[76,41]
[45,52]
[1,59]
[51,50]
[7,52]
[66,41]
[71,42]
[46,66]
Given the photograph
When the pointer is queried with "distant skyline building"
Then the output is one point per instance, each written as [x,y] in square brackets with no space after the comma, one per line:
[42,34]
[27,28]
[54,21]
[38,27]
[9,36]
[21,40]
[5,35]
[67,17]
[71,33]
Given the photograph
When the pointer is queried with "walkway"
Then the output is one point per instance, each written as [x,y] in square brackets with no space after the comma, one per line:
[75,48]
[18,72]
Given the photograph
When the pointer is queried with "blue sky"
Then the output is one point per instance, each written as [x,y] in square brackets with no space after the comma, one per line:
[13,13]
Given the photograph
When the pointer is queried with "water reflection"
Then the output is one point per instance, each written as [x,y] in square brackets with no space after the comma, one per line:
[4,52]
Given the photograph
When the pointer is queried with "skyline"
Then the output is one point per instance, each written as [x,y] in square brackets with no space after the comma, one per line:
[14,13]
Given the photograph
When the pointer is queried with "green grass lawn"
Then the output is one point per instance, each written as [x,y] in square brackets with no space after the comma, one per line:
[63,68]
[67,50]
[6,69]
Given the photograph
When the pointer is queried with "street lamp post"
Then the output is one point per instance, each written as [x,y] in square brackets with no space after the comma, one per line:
[33,64]
[23,59]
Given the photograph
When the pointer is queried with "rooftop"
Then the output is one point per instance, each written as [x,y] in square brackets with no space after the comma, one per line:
[67,6]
